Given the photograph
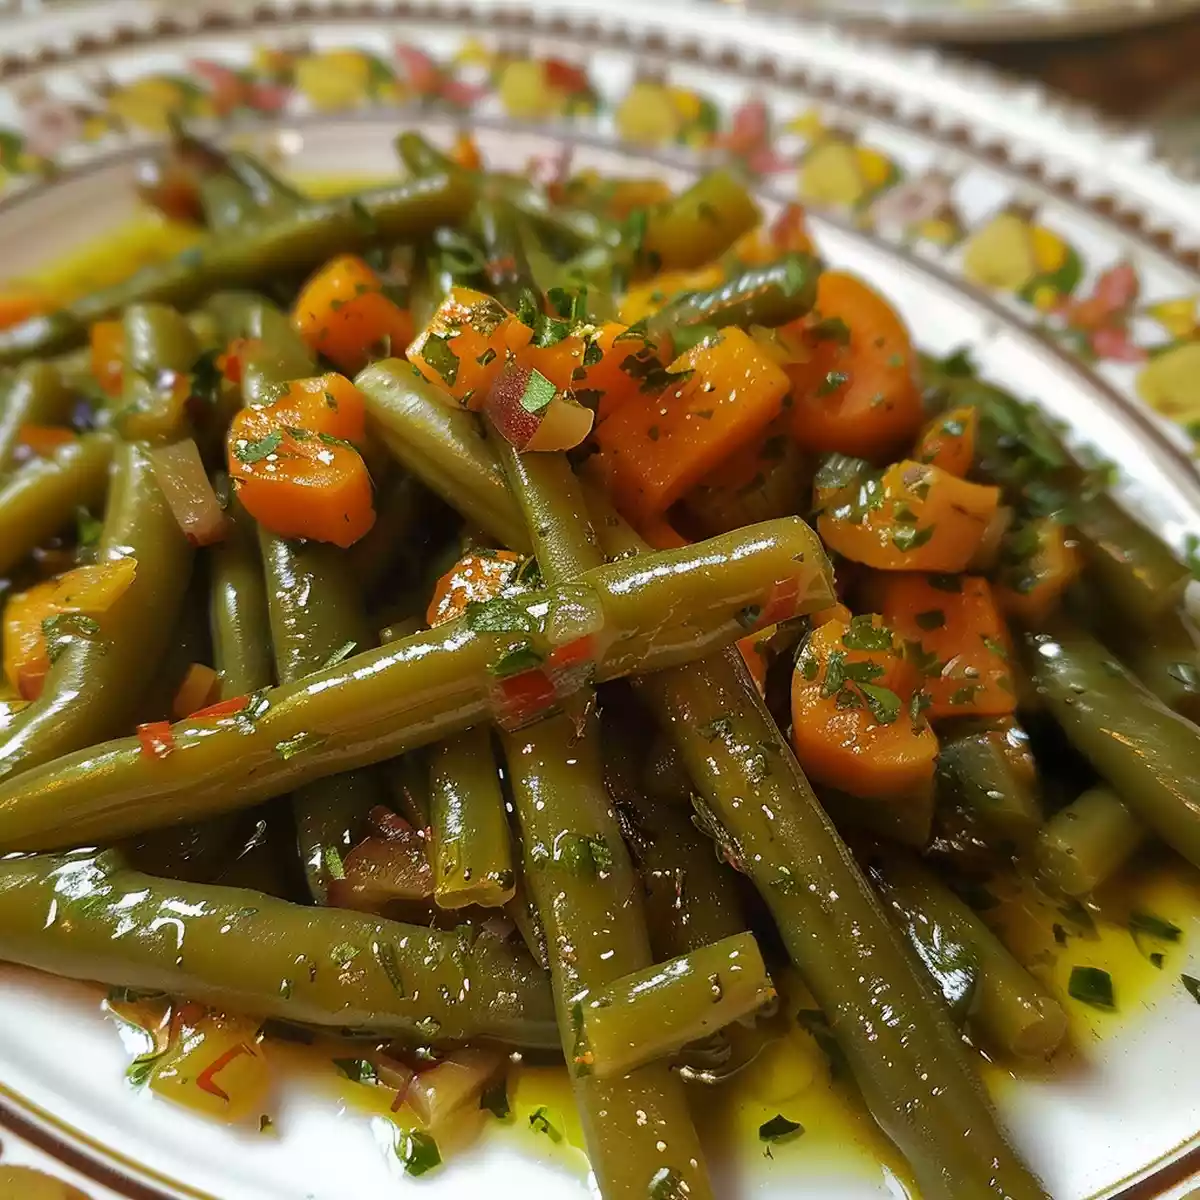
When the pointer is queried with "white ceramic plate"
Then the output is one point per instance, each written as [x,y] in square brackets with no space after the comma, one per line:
[1067,258]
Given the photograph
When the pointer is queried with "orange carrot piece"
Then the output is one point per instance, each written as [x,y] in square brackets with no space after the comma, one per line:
[728,392]
[466,152]
[200,684]
[645,299]
[961,637]
[466,345]
[342,313]
[910,517]
[107,340]
[1039,561]
[19,304]
[788,233]
[948,441]
[754,652]
[561,362]
[43,440]
[612,368]
[855,725]
[83,593]
[322,404]
[858,393]
[475,579]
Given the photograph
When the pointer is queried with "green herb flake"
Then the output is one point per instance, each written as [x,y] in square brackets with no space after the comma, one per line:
[832,381]
[718,727]
[265,1124]
[357,1070]
[965,694]
[1187,674]
[538,393]
[995,647]
[540,1123]
[340,655]
[1193,986]
[779,1129]
[1152,926]
[207,379]
[344,952]
[667,1184]
[252,452]
[945,583]
[883,703]
[88,529]
[864,634]
[523,657]
[910,537]
[418,1152]
[832,329]
[384,953]
[292,746]
[1157,960]
[334,867]
[438,354]
[1092,986]
[933,618]
[814,1021]
[142,1068]
[494,1099]
[498,615]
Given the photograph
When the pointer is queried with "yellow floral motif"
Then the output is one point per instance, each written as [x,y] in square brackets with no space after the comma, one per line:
[649,115]
[1178,317]
[150,103]
[939,230]
[838,172]
[526,93]
[1045,297]
[808,124]
[1049,250]
[473,53]
[1011,253]
[1170,382]
[335,79]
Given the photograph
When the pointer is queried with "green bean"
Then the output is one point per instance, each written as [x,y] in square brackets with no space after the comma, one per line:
[39,499]
[1006,1007]
[97,680]
[159,348]
[248,952]
[907,818]
[226,202]
[1148,754]
[270,192]
[698,225]
[404,511]
[472,850]
[771,295]
[241,633]
[977,779]
[656,1011]
[905,1055]
[1018,448]
[37,394]
[582,883]
[507,271]
[421,157]
[666,609]
[443,447]
[277,354]
[663,779]
[1086,843]
[256,253]
[1166,658]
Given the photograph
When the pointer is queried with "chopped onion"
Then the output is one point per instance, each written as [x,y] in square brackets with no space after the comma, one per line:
[458,1080]
[196,690]
[388,869]
[188,492]
[393,1073]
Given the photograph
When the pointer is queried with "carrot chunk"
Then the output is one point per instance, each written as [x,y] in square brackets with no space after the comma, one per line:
[949,441]
[107,342]
[1038,562]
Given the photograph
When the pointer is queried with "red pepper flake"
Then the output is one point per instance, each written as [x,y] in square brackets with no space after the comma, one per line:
[31,678]
[223,708]
[205,1080]
[581,650]
[524,697]
[156,738]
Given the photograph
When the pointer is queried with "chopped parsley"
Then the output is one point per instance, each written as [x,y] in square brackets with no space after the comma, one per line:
[207,378]
[253,452]
[418,1152]
[1091,985]
[1193,986]
[88,529]
[910,537]
[437,353]
[498,615]
[832,329]
[864,634]
[832,381]
[1152,926]
[522,657]
[302,741]
[540,1123]
[883,703]
[538,393]
[357,1070]
[667,1184]
[340,655]
[61,629]
[779,1129]
[494,1099]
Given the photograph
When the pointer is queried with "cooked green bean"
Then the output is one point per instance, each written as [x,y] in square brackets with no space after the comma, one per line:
[1005,1006]
[37,394]
[977,780]
[907,819]
[698,225]
[1148,754]
[258,252]
[507,273]
[1166,658]
[666,609]
[93,688]
[160,348]
[771,295]
[90,918]
[472,850]
[270,192]
[226,202]
[1086,843]
[443,447]
[400,535]
[654,1012]
[39,499]
[241,633]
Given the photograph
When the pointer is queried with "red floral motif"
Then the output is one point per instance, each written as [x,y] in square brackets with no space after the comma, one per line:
[232,91]
[749,138]
[431,81]
[1102,319]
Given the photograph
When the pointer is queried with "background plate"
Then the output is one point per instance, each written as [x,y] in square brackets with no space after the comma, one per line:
[1067,258]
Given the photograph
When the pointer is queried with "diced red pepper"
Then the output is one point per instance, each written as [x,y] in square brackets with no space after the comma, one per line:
[156,738]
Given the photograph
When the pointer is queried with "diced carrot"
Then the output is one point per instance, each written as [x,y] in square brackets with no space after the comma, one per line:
[645,299]
[910,517]
[466,345]
[662,535]
[627,195]
[300,485]
[1038,562]
[788,233]
[961,642]
[222,708]
[343,313]
[66,606]
[466,152]
[651,454]
[855,725]
[561,362]
[835,612]
[107,339]
[753,650]
[19,304]
[43,440]
[157,739]
[323,404]
[858,394]
[475,579]
[234,358]
[200,683]
[614,368]
[948,441]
